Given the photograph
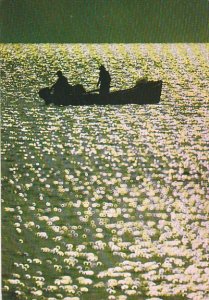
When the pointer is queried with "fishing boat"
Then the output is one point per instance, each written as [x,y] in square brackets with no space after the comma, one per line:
[143,93]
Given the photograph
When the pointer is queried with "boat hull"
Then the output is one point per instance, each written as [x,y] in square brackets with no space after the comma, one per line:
[145,93]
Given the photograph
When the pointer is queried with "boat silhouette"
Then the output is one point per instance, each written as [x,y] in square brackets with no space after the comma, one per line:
[144,93]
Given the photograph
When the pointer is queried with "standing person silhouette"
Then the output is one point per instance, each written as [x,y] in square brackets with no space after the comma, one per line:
[104,81]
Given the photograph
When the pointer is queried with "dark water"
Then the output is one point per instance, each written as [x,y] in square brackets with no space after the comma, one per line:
[115,198]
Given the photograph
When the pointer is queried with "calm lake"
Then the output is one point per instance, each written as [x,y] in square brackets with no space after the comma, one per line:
[105,202]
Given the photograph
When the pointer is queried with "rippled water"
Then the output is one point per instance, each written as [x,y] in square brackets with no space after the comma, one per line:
[113,198]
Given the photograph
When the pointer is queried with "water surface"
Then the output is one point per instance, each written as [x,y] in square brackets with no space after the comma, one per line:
[114,198]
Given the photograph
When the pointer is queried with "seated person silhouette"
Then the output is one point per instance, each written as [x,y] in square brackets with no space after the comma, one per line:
[61,87]
[104,81]
[61,92]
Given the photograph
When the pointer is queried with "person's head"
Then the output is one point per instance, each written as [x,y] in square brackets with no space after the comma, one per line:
[102,67]
[59,73]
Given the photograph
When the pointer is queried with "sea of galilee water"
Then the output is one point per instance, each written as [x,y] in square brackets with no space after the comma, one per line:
[105,202]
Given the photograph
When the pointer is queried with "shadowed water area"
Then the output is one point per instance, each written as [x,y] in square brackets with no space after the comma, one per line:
[105,202]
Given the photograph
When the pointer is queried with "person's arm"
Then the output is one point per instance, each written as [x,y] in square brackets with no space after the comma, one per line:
[99,79]
[52,87]
[65,81]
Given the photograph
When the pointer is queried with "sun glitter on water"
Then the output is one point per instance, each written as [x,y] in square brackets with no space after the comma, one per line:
[105,201]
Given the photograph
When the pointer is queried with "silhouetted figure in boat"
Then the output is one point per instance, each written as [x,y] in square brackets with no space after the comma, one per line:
[62,93]
[61,86]
[61,89]
[104,81]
